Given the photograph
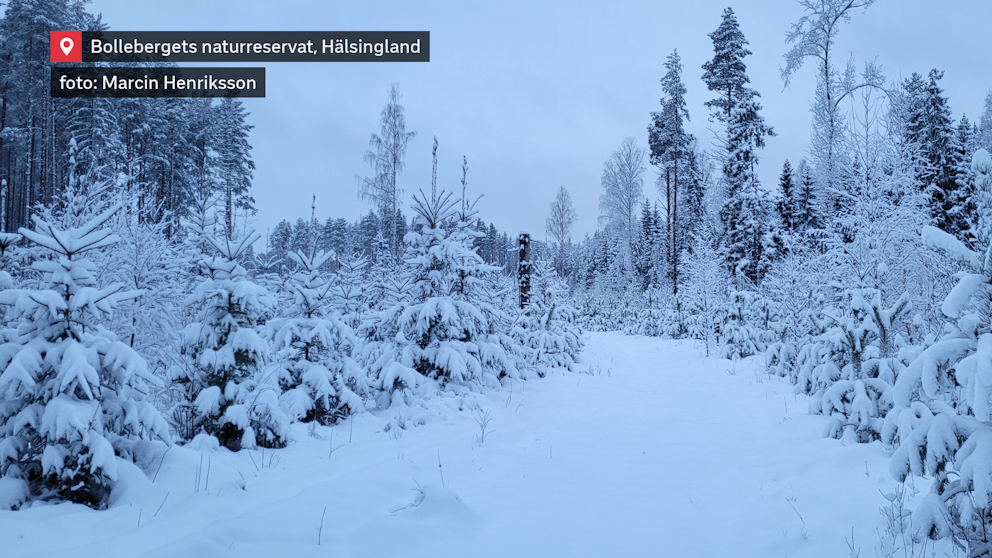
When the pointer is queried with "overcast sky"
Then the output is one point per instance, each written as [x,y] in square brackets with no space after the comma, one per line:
[537,94]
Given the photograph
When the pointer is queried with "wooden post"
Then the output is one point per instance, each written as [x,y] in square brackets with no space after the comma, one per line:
[523,269]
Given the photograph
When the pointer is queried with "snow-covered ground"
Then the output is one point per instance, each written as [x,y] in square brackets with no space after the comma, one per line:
[655,451]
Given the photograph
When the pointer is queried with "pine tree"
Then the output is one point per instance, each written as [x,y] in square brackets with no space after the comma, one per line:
[849,368]
[71,394]
[670,146]
[726,73]
[235,166]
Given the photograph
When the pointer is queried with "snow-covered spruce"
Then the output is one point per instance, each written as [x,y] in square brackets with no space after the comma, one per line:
[312,349]
[225,394]
[8,245]
[72,397]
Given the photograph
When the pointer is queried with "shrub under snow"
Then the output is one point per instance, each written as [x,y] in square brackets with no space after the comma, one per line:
[72,396]
[943,401]
[312,349]
[225,395]
[440,326]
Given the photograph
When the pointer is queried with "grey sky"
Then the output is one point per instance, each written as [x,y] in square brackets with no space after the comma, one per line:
[537,94]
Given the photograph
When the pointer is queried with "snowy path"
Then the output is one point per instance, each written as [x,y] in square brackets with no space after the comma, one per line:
[659,453]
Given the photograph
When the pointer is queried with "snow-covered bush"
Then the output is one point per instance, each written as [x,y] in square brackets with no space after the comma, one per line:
[72,396]
[743,333]
[348,289]
[549,333]
[224,394]
[849,368]
[312,349]
[943,401]
[440,327]
[705,294]
[653,317]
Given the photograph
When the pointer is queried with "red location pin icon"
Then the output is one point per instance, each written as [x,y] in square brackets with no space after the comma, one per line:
[67,46]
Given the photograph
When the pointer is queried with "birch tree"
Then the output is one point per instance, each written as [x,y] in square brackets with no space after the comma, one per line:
[814,36]
[623,193]
[385,157]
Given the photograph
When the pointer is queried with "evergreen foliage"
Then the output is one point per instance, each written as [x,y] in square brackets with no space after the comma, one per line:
[72,395]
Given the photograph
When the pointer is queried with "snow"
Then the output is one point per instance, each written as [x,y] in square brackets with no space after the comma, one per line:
[87,237]
[950,246]
[649,450]
[13,492]
[961,294]
[203,443]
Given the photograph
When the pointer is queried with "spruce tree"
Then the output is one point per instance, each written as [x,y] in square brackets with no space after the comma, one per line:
[549,334]
[930,134]
[806,207]
[646,248]
[785,201]
[983,136]
[438,326]
[349,291]
[965,145]
[745,212]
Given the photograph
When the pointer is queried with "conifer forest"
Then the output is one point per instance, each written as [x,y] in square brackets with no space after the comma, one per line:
[722,365]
